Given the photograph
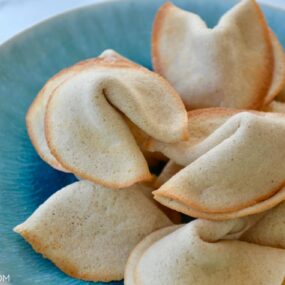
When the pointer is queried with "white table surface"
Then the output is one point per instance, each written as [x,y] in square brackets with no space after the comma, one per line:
[18,15]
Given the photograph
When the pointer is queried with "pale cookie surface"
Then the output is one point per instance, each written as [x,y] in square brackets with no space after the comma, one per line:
[201,124]
[231,172]
[270,230]
[88,231]
[251,210]
[230,65]
[129,276]
[204,252]
[88,135]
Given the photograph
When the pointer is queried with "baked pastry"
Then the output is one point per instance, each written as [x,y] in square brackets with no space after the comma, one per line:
[226,174]
[88,230]
[35,118]
[239,63]
[78,121]
[201,124]
[204,252]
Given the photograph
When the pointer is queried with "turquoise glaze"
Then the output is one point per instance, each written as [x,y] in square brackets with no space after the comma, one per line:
[26,62]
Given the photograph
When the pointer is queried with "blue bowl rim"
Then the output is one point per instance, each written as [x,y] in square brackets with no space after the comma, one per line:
[22,33]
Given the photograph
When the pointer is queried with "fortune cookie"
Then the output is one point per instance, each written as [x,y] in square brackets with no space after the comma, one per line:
[204,252]
[88,230]
[236,170]
[201,123]
[86,131]
[35,118]
[129,278]
[239,63]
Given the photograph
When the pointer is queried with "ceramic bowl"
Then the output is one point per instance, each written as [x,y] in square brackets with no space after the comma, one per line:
[26,62]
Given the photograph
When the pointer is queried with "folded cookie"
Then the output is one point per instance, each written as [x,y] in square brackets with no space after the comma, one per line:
[36,114]
[235,170]
[85,127]
[204,252]
[201,124]
[129,275]
[250,210]
[88,230]
[239,63]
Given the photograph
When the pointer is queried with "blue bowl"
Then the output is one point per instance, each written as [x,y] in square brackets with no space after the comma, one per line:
[26,62]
